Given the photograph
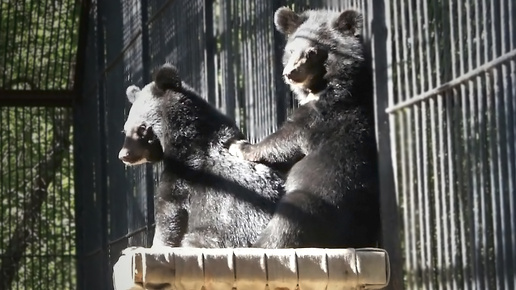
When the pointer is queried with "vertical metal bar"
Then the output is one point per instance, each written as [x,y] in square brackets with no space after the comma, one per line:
[31,34]
[14,29]
[53,48]
[510,110]
[6,39]
[101,166]
[20,44]
[69,30]
[239,71]
[273,91]
[412,195]
[380,20]
[80,55]
[499,221]
[418,87]
[400,117]
[210,50]
[461,159]
[264,24]
[470,162]
[410,89]
[37,45]
[484,86]
[82,33]
[57,187]
[425,263]
[79,189]
[251,67]
[453,135]
[264,21]
[224,54]
[426,80]
[444,191]
[45,48]
[42,117]
[3,188]
[408,186]
[507,199]
[8,174]
[256,73]
[440,211]
[149,174]
[243,75]
[280,89]
[451,274]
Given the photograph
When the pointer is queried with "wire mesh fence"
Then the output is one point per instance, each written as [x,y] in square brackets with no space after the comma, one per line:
[38,47]
[453,130]
[37,233]
[450,121]
[227,50]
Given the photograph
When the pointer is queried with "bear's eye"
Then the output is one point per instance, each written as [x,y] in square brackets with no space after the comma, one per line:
[311,52]
[141,131]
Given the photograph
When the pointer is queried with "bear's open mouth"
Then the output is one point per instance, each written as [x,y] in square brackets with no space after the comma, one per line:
[136,161]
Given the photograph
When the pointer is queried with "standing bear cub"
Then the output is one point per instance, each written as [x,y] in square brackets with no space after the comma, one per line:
[206,196]
[331,195]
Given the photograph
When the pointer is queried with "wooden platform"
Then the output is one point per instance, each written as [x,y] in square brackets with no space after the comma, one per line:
[249,269]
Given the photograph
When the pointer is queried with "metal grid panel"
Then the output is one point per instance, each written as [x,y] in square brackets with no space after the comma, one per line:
[178,34]
[37,232]
[29,56]
[249,89]
[453,105]
[38,48]
[126,40]
[228,51]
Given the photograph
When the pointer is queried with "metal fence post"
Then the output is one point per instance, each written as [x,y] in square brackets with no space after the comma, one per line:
[101,165]
[282,90]
[378,18]
[209,51]
[149,175]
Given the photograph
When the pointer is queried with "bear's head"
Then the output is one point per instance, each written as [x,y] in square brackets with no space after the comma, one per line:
[143,127]
[322,47]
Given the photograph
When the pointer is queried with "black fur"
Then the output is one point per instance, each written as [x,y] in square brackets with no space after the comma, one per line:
[206,196]
[332,192]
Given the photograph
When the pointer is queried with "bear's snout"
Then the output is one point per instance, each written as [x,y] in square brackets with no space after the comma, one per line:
[124,155]
[295,74]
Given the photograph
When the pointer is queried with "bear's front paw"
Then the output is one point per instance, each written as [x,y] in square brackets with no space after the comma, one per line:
[236,148]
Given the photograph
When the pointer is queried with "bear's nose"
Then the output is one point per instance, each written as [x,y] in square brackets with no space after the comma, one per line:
[294,75]
[123,154]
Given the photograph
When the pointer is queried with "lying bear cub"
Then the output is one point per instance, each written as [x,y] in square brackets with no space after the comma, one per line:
[206,196]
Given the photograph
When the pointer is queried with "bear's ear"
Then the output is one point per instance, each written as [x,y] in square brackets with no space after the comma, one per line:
[286,20]
[167,78]
[349,23]
[131,93]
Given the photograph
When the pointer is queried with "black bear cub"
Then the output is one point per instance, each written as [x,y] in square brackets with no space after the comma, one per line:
[206,196]
[332,191]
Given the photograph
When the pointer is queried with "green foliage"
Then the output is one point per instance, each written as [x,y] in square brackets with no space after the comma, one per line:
[29,139]
[38,44]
